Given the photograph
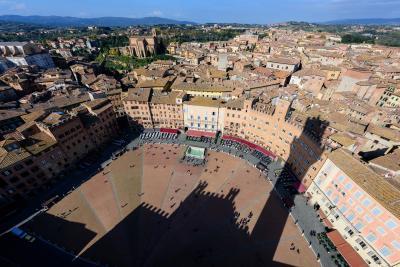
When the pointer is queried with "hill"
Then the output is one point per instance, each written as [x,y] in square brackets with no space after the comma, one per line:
[84,22]
[366,21]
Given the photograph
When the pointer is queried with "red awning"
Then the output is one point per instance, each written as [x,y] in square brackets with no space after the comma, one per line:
[346,250]
[168,130]
[327,223]
[250,145]
[300,187]
[200,133]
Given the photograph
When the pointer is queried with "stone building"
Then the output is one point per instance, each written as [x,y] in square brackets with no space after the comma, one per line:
[144,46]
[48,143]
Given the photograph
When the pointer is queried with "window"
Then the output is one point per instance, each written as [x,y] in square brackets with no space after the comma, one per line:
[348,186]
[376,211]
[381,230]
[358,194]
[359,209]
[391,224]
[6,172]
[368,218]
[359,226]
[373,256]
[350,201]
[366,202]
[361,243]
[350,217]
[371,237]
[343,209]
[348,230]
[18,167]
[385,251]
[396,244]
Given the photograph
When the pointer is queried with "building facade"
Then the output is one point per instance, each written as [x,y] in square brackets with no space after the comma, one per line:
[40,149]
[361,205]
[204,114]
[144,46]
[25,54]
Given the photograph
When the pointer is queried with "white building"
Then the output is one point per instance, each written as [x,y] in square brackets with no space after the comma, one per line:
[204,114]
[285,64]
[25,54]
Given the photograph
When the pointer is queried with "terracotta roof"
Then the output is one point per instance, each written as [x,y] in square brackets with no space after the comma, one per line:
[359,74]
[33,116]
[149,73]
[309,72]
[281,74]
[346,250]
[389,161]
[97,106]
[202,87]
[8,158]
[161,82]
[138,94]
[217,73]
[10,113]
[38,142]
[378,188]
[204,101]
[166,98]
[235,103]
[288,61]
[342,139]
[389,133]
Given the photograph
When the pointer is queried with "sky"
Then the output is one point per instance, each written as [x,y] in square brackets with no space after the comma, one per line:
[241,11]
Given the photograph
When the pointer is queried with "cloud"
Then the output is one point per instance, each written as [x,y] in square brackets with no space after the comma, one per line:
[156,13]
[12,5]
[18,7]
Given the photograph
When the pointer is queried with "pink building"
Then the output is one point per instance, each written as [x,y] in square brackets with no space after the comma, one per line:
[361,205]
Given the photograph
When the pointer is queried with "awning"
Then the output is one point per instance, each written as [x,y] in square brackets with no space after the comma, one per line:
[321,214]
[299,187]
[324,219]
[200,133]
[168,130]
[327,223]
[250,145]
[346,250]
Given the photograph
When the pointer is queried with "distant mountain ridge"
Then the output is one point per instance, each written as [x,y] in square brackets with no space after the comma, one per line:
[84,22]
[365,21]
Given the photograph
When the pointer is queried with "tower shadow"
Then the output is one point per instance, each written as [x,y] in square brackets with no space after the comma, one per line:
[313,130]
[204,230]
